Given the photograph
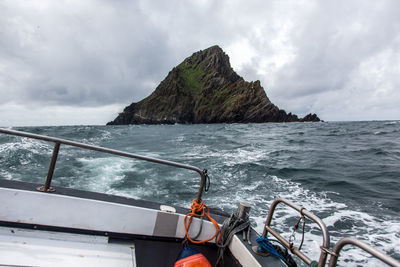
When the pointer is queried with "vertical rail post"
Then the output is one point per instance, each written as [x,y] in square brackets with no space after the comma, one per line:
[47,186]
[202,183]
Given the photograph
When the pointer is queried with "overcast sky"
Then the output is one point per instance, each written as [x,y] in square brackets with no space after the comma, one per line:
[81,62]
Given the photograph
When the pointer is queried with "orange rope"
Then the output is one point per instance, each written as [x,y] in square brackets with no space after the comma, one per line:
[199,210]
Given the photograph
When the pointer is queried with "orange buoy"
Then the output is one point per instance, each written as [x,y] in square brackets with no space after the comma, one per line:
[189,257]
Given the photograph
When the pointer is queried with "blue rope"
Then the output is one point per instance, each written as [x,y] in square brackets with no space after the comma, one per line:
[266,246]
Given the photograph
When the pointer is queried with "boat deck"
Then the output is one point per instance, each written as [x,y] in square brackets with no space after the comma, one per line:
[77,228]
[25,247]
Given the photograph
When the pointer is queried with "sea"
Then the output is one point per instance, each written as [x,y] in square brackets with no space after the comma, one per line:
[346,173]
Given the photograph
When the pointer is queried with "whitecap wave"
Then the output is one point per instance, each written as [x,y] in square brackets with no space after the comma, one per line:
[101,173]
[31,145]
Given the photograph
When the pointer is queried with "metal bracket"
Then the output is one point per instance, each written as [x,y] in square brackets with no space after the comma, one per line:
[43,189]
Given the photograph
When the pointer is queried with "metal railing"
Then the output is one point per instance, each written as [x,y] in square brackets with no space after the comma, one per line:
[334,253]
[352,241]
[58,141]
[296,251]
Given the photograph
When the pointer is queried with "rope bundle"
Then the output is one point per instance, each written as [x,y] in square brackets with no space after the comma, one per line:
[199,210]
[231,226]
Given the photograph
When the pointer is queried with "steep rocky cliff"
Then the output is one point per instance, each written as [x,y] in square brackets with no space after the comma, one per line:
[205,89]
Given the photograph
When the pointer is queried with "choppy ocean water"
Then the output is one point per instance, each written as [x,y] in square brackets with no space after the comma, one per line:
[347,173]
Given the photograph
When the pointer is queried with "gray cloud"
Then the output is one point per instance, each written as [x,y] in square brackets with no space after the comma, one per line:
[333,57]
[98,54]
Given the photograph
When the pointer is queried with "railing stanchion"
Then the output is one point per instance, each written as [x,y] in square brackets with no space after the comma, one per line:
[47,186]
[202,183]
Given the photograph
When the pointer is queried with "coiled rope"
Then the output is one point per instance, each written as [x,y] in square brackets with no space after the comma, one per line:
[265,246]
[199,210]
[231,226]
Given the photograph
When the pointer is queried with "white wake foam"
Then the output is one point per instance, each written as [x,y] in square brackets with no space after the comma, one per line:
[101,173]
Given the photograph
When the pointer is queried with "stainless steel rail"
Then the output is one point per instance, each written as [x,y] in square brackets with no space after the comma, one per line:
[59,141]
[321,224]
[351,241]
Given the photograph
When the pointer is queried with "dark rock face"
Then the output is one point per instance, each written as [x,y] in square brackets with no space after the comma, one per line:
[310,117]
[205,89]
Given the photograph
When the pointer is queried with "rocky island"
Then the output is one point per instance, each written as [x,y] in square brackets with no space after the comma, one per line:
[205,89]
